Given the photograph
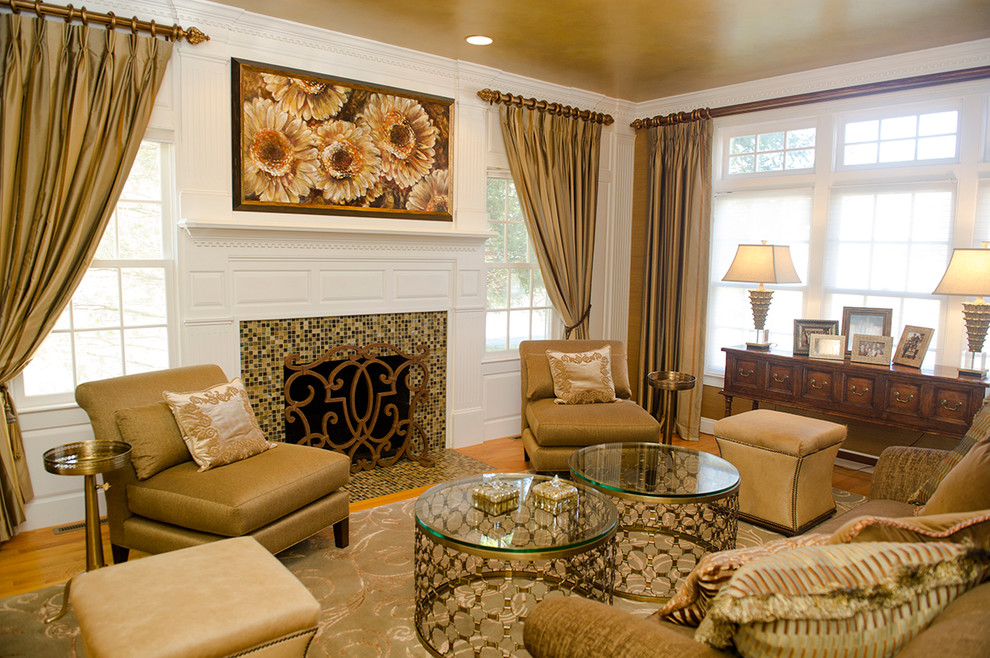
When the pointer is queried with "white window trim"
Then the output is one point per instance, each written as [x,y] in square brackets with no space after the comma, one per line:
[59,401]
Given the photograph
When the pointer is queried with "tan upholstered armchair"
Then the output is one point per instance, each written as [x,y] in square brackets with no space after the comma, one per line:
[279,497]
[551,432]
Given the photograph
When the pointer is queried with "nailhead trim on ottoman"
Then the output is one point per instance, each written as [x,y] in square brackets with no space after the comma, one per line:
[785,466]
[229,597]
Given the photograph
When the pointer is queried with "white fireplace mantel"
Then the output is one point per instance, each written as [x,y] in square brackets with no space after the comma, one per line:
[206,233]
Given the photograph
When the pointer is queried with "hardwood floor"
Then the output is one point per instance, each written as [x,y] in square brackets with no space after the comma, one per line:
[40,558]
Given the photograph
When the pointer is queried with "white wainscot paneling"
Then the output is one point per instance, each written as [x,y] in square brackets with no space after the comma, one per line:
[352,283]
[58,499]
[271,287]
[422,284]
[500,385]
[206,290]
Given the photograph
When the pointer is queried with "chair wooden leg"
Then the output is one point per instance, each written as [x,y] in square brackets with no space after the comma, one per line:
[119,553]
[341,533]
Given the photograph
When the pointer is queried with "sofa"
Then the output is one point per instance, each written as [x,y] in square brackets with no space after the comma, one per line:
[163,500]
[575,627]
[552,428]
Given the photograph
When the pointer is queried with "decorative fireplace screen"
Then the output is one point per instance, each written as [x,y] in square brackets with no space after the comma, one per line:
[360,401]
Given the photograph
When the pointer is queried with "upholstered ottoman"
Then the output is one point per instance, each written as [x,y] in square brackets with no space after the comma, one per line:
[218,599]
[785,466]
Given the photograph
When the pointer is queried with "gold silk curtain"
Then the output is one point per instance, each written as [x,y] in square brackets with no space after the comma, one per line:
[76,103]
[675,287]
[554,164]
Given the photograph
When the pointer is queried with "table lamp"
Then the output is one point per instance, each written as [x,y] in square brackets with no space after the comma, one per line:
[761,263]
[969,274]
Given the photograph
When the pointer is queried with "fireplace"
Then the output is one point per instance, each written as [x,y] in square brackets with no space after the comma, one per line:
[360,401]
[265,344]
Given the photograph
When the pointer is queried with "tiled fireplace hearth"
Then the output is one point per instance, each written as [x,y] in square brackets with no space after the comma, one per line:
[264,345]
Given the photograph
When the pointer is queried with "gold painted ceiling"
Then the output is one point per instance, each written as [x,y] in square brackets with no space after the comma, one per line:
[639,50]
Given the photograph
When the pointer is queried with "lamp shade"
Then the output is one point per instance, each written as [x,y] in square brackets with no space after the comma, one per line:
[968,274]
[762,263]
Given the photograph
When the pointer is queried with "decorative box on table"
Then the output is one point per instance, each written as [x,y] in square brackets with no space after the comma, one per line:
[555,496]
[495,497]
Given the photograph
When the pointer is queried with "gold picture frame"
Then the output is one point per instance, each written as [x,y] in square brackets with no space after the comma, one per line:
[829,347]
[868,348]
[304,142]
[912,346]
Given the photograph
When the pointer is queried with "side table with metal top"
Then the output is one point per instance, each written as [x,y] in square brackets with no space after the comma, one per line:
[670,382]
[87,458]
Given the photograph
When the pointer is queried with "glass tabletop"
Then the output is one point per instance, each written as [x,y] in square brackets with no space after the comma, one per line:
[447,512]
[654,470]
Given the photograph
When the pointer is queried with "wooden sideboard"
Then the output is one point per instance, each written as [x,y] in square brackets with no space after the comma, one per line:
[939,401]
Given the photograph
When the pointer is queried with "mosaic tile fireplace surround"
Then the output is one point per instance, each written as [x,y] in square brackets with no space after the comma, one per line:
[265,343]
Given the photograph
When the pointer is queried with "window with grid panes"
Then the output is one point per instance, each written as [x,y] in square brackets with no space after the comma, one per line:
[117,322]
[872,222]
[517,306]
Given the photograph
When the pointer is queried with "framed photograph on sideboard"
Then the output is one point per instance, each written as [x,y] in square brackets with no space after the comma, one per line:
[866,321]
[871,349]
[913,346]
[827,346]
[804,329]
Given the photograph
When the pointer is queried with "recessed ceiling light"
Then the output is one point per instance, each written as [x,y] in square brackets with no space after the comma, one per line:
[478,40]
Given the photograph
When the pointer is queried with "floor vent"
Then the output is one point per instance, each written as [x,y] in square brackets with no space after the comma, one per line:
[74,526]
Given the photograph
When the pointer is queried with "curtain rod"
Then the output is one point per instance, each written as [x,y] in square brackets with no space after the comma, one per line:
[900,84]
[492,97]
[70,13]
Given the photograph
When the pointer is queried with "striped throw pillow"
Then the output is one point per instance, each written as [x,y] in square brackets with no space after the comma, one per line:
[863,599]
[690,604]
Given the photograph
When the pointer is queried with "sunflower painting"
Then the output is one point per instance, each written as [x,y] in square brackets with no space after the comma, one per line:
[308,143]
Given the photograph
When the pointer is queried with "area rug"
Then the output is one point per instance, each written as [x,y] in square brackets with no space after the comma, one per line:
[365,591]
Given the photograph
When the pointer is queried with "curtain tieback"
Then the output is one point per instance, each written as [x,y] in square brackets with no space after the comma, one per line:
[584,316]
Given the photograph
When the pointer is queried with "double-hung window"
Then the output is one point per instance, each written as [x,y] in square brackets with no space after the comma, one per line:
[118,320]
[517,306]
[871,196]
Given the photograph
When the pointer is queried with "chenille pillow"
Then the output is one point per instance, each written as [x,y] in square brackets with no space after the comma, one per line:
[690,604]
[156,443]
[862,599]
[218,425]
[582,377]
[978,431]
[972,527]
[966,488]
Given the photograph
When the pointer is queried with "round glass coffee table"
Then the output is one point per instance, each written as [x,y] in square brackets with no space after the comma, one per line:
[477,575]
[675,506]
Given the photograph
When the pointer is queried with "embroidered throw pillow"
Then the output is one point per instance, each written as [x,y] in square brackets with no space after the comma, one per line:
[973,527]
[582,377]
[862,599]
[690,604]
[156,443]
[218,425]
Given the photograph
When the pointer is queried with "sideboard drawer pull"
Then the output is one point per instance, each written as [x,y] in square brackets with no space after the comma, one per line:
[945,403]
[779,380]
[897,396]
[745,373]
[852,389]
[815,384]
